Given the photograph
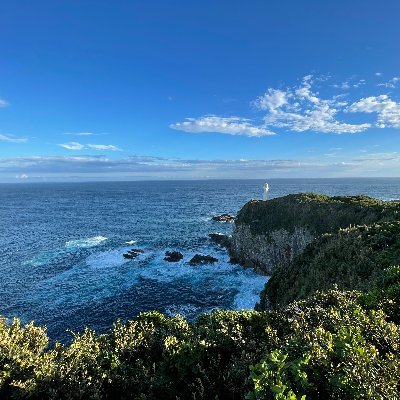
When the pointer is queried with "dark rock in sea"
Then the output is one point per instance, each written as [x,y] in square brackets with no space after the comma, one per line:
[128,256]
[132,254]
[221,239]
[224,218]
[173,256]
[200,259]
[137,251]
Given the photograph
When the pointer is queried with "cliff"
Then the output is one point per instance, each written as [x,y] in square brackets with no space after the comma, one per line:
[270,234]
[353,258]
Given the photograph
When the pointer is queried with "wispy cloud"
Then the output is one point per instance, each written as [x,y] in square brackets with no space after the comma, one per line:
[148,167]
[80,146]
[3,103]
[225,125]
[12,139]
[83,134]
[391,83]
[72,146]
[103,147]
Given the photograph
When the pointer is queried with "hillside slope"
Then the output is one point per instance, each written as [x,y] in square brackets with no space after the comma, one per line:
[352,258]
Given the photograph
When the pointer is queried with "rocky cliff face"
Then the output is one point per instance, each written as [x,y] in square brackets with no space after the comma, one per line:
[268,251]
[269,234]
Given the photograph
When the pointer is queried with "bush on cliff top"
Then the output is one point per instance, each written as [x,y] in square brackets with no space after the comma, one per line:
[319,213]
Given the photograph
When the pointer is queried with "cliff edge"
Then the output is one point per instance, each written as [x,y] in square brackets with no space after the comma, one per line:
[269,234]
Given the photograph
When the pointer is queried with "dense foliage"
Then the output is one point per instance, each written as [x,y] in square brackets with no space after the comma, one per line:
[352,258]
[333,345]
[319,213]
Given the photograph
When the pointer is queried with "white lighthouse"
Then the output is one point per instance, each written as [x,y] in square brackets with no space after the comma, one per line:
[265,192]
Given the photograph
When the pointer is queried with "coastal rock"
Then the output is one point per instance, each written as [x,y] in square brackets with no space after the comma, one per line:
[224,218]
[221,239]
[265,253]
[132,254]
[173,256]
[200,259]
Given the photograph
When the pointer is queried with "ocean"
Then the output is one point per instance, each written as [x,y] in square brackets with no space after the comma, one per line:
[62,245]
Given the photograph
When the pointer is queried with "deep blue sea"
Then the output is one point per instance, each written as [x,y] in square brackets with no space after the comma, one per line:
[61,247]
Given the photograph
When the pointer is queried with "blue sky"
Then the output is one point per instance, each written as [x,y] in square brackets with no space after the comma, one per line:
[197,90]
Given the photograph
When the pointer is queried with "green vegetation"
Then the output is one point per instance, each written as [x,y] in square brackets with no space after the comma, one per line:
[319,213]
[332,332]
[333,345]
[352,258]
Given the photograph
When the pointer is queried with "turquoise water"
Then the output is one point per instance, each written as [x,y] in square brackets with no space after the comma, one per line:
[61,247]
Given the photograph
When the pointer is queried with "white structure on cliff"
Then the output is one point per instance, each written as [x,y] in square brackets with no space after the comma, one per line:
[265,193]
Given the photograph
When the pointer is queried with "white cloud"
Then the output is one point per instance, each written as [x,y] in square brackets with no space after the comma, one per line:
[225,125]
[12,139]
[148,167]
[304,110]
[72,146]
[392,83]
[22,176]
[378,74]
[388,110]
[350,83]
[80,146]
[361,82]
[272,100]
[344,85]
[103,147]
[3,103]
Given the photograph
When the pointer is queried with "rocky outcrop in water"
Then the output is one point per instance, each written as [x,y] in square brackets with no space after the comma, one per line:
[173,256]
[224,218]
[132,254]
[200,259]
[221,239]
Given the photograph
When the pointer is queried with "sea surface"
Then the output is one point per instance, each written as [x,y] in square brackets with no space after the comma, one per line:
[62,245]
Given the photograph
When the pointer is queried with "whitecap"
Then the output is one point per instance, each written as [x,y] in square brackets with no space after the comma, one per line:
[249,286]
[131,242]
[106,259]
[85,243]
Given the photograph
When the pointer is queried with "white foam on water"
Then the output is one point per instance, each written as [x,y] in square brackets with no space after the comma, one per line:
[165,272]
[245,282]
[107,273]
[114,258]
[42,259]
[131,242]
[85,243]
[106,259]
[249,285]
